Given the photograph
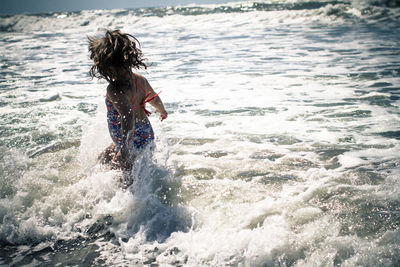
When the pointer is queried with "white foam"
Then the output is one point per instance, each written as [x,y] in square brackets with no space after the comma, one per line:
[276,135]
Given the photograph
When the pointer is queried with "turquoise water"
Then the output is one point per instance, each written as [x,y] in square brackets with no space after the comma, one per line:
[281,148]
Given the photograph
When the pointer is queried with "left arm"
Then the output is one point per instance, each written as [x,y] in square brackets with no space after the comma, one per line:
[156,102]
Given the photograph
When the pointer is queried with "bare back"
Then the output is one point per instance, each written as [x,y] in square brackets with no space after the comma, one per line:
[131,98]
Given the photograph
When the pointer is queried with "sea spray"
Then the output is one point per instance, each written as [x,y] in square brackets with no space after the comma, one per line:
[281,146]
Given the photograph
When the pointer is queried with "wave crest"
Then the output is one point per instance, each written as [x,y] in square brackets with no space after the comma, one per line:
[320,11]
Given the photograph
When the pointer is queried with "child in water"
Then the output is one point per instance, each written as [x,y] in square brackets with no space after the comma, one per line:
[114,56]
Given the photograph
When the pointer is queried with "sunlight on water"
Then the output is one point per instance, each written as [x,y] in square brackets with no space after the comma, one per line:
[280,149]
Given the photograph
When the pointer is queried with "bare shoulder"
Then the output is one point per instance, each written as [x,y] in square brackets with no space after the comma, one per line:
[143,82]
[140,79]
[138,76]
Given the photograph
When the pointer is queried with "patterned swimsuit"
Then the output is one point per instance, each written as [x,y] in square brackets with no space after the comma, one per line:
[144,134]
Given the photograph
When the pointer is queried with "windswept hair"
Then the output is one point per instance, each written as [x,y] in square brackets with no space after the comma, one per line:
[112,52]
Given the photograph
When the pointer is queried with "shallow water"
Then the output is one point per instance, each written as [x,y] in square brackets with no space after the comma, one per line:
[281,148]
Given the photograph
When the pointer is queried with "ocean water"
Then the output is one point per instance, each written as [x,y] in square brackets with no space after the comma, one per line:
[281,148]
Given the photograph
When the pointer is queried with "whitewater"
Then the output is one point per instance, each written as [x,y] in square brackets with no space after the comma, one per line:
[281,147]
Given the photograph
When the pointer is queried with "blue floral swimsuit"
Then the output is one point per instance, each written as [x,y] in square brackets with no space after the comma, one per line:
[144,134]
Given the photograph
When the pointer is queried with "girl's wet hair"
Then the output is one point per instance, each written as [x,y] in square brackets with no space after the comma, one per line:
[113,52]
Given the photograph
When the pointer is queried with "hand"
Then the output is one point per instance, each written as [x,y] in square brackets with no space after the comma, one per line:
[116,160]
[163,115]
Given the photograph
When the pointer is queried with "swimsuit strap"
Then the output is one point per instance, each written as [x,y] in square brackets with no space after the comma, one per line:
[146,99]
